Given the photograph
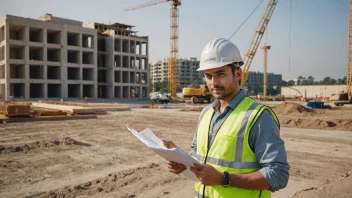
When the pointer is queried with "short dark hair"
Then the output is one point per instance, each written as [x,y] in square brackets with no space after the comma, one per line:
[235,66]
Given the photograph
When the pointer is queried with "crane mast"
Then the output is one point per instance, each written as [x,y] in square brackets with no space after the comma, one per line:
[349,58]
[173,48]
[265,48]
[257,37]
[172,60]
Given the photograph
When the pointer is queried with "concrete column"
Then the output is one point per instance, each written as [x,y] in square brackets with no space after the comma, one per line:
[26,35]
[44,36]
[64,88]
[45,87]
[128,91]
[27,91]
[6,58]
[147,48]
[95,71]
[140,48]
[80,40]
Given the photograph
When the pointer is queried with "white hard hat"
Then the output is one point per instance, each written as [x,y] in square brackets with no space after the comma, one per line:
[219,52]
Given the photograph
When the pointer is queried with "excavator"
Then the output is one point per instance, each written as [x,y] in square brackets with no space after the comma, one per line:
[345,97]
[201,94]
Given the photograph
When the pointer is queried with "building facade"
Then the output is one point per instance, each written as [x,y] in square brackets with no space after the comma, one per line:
[256,79]
[54,58]
[187,73]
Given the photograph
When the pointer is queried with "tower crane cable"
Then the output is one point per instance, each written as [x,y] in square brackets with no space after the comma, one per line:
[289,39]
[246,20]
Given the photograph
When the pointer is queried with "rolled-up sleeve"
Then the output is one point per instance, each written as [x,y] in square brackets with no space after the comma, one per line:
[270,151]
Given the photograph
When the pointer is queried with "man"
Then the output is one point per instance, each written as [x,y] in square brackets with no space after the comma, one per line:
[237,140]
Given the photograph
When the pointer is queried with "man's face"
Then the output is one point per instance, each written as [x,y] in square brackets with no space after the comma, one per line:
[222,82]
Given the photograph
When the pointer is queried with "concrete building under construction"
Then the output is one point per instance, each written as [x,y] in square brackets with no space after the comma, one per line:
[53,58]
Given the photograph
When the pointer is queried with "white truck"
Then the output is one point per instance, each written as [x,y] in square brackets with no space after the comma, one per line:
[159,97]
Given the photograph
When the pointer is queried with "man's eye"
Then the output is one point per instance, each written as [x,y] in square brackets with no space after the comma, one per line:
[208,77]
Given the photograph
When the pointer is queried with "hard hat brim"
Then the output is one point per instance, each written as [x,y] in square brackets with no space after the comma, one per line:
[213,66]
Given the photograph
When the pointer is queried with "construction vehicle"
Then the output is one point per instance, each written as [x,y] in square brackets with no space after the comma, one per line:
[172,60]
[346,96]
[256,39]
[197,95]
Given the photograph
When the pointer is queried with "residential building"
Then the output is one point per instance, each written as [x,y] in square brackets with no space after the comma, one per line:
[255,79]
[187,73]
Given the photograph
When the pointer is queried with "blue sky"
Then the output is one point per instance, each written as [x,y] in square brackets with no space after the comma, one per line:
[319,28]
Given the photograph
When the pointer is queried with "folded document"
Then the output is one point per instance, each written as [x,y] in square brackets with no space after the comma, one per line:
[173,154]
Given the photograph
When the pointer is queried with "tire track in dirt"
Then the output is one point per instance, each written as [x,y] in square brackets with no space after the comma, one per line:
[304,162]
[320,139]
[125,183]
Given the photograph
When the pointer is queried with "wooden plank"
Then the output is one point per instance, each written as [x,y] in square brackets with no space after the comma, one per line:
[72,109]
[46,118]
[15,109]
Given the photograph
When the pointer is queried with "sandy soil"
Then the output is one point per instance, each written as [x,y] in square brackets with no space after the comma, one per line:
[100,158]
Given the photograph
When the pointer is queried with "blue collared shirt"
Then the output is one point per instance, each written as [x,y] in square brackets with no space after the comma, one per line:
[264,140]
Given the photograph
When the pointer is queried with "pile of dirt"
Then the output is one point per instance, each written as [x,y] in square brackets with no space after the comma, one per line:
[287,108]
[37,145]
[339,124]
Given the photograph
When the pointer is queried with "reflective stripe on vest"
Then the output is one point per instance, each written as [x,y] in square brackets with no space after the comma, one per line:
[230,150]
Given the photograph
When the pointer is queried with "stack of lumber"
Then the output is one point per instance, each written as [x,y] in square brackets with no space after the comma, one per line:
[38,111]
[14,109]
[65,108]
[97,106]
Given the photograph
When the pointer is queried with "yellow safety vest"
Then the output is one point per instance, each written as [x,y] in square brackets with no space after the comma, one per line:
[230,150]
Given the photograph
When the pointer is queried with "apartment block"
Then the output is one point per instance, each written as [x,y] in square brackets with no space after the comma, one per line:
[255,79]
[53,58]
[187,73]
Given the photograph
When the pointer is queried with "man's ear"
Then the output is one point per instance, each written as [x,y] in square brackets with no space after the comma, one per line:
[238,73]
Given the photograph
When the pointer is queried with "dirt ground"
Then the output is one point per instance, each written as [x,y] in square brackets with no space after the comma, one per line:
[100,158]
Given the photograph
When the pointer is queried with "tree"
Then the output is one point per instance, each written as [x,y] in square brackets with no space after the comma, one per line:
[332,81]
[300,78]
[326,80]
[284,83]
[291,83]
[310,80]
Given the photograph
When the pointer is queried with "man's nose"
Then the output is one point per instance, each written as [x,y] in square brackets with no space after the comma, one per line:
[214,81]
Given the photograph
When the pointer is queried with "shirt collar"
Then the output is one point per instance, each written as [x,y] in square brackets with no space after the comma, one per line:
[234,102]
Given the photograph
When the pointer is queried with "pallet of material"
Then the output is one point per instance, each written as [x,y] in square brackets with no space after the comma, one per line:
[12,110]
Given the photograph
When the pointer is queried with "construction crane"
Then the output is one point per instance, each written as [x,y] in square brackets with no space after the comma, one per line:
[172,60]
[349,59]
[256,39]
[346,97]
[265,48]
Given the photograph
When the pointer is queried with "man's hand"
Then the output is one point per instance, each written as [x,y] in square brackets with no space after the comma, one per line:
[175,167]
[207,174]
